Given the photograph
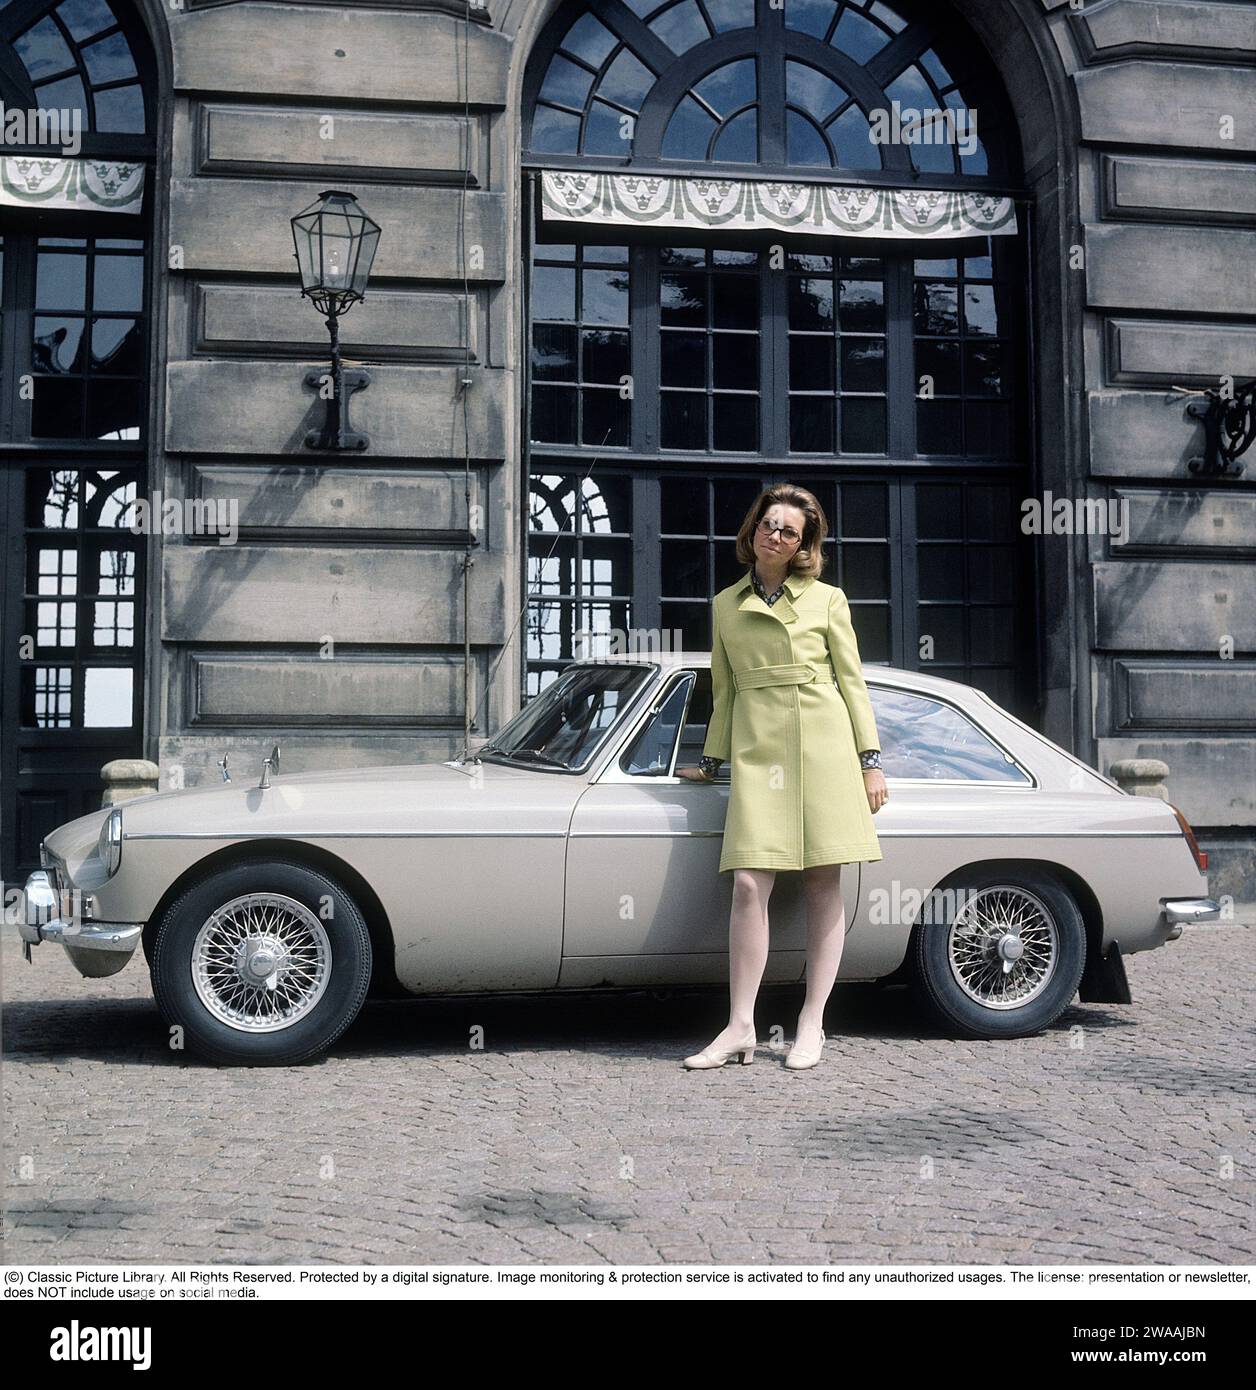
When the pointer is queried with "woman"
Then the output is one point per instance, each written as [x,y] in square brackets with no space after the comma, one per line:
[792,711]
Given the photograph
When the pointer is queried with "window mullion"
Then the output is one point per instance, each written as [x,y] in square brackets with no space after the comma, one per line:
[19,329]
[772,84]
[645,348]
[774,381]
[904,579]
[646,608]
[901,384]
[8,354]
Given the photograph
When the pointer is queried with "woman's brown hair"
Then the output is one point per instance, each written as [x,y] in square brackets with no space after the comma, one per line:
[808,559]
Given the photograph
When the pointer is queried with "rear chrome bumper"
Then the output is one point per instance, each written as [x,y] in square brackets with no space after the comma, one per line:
[1176,912]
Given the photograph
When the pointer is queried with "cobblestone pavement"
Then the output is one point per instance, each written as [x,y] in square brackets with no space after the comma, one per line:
[1122,1135]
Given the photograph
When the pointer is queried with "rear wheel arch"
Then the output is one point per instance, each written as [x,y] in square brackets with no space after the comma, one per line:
[1083,895]
[1054,962]
[384,982]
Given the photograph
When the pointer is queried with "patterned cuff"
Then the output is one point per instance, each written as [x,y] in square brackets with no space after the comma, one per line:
[872,758]
[710,766]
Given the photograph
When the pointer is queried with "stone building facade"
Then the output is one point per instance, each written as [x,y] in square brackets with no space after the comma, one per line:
[376,607]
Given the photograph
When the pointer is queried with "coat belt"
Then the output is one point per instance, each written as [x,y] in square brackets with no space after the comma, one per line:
[797,673]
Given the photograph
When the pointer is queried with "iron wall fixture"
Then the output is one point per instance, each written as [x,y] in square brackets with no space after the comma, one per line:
[335,245]
[1229,429]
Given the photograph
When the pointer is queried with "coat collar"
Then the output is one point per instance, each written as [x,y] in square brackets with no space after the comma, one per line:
[782,609]
[794,585]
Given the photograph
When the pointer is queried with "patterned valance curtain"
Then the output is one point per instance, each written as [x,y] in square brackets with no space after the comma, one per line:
[818,209]
[82,185]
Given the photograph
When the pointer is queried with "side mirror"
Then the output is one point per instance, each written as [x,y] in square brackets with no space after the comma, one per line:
[269,764]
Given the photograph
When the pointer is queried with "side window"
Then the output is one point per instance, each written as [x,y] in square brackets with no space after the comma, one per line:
[923,738]
[650,753]
[693,736]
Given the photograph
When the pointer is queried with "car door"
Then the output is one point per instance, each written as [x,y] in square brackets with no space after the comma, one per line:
[947,778]
[645,901]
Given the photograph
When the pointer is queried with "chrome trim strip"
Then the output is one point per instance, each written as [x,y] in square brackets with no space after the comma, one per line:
[1022,788]
[724,780]
[341,834]
[646,834]
[638,834]
[919,834]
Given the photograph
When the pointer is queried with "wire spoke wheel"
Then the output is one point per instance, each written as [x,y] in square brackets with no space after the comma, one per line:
[1003,946]
[261,962]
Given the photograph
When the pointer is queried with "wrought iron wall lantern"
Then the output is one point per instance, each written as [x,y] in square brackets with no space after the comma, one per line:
[1229,419]
[335,245]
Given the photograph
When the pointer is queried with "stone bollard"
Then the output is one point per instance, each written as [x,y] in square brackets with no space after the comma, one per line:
[1141,776]
[127,778]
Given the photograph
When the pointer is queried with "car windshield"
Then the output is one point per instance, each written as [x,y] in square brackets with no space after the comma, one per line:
[565,724]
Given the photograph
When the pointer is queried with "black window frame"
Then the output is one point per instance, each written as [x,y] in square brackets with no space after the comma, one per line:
[901,467]
[42,768]
[902,380]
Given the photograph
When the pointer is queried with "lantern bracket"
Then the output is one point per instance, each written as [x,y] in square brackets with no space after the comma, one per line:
[337,431]
[1229,420]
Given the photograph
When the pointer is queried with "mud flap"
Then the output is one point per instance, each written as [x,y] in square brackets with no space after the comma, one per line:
[1104,980]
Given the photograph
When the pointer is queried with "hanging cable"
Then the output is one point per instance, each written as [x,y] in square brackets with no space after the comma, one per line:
[464,385]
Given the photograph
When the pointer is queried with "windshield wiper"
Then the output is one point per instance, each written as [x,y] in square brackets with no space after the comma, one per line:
[533,755]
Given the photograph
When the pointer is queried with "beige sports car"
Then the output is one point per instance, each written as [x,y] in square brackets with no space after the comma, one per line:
[567,854]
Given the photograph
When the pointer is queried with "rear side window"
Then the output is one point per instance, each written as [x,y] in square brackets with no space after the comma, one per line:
[925,739]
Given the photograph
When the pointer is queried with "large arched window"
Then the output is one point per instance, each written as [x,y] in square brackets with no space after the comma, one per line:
[77,81]
[799,87]
[677,366]
[87,56]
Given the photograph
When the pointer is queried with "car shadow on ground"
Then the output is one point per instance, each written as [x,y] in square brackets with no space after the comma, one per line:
[610,1023]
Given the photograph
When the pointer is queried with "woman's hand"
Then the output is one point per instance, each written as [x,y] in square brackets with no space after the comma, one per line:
[874,785]
[693,774]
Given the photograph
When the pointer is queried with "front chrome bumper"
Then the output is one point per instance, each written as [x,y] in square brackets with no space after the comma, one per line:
[41,919]
[1177,912]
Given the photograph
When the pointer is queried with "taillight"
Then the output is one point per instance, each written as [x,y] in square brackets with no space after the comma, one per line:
[1201,856]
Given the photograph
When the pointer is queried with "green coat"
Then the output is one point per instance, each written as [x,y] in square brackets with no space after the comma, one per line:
[790,727]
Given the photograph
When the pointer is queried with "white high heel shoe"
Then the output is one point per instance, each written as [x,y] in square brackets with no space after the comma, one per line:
[717,1057]
[801,1057]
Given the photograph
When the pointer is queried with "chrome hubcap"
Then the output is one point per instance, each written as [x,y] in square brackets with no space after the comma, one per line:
[1003,946]
[261,962]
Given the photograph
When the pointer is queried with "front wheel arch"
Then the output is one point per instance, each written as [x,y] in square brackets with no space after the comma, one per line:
[384,983]
[217,943]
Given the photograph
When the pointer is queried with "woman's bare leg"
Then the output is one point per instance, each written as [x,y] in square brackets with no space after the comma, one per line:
[747,950]
[826,935]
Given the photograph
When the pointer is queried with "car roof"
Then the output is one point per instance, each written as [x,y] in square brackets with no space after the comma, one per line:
[872,671]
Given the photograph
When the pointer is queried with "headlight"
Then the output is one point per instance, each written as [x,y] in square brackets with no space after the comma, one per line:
[109,846]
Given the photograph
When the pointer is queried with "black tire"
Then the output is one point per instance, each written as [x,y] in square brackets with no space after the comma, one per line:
[329,988]
[952,947]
